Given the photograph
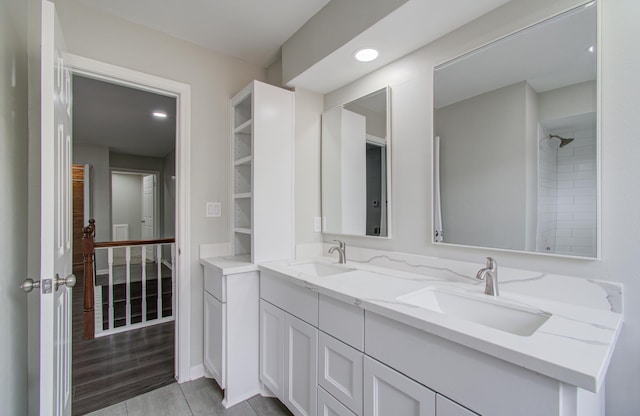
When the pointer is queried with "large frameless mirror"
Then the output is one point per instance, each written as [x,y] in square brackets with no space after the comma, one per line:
[515,141]
[355,167]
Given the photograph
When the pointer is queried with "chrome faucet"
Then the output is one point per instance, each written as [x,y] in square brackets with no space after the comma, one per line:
[490,275]
[341,248]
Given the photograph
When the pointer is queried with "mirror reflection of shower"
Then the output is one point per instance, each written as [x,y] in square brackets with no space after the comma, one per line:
[567,186]
[563,140]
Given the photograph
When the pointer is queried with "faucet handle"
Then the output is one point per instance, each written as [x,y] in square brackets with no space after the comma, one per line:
[492,263]
[340,243]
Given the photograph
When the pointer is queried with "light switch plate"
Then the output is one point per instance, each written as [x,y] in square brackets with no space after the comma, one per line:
[317,224]
[214,209]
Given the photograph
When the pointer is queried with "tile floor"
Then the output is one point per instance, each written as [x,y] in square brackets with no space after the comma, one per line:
[194,398]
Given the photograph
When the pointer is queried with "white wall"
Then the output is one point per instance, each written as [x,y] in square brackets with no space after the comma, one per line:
[411,81]
[126,202]
[214,78]
[13,205]
[148,164]
[308,106]
[314,40]
[482,168]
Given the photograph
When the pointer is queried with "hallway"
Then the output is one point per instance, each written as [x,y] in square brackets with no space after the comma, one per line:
[118,367]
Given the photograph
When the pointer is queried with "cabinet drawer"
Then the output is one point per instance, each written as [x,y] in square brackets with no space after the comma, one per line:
[387,392]
[342,320]
[340,371]
[445,407]
[329,406]
[215,283]
[298,301]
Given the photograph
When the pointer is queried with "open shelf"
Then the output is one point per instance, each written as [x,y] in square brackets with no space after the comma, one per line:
[244,128]
[242,112]
[242,179]
[241,146]
[242,230]
[243,195]
[244,161]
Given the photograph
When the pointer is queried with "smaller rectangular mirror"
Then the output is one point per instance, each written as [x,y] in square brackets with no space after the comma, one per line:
[356,158]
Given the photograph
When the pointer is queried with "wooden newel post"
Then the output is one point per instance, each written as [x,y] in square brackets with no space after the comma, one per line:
[88,254]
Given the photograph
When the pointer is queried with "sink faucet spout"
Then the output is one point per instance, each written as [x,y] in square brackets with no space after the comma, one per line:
[490,275]
[341,248]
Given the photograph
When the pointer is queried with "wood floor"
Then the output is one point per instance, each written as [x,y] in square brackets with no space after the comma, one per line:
[115,368]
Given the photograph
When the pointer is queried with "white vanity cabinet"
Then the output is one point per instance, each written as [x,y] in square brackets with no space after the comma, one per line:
[387,392]
[289,343]
[288,351]
[231,321]
[262,172]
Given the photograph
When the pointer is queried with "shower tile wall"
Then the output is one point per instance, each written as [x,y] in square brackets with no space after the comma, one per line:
[547,193]
[576,194]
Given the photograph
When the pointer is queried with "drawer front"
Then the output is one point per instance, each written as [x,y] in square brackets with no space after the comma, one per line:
[215,283]
[297,300]
[329,406]
[459,372]
[340,371]
[342,320]
[445,407]
[387,392]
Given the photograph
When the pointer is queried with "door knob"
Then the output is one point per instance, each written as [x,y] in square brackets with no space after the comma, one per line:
[69,281]
[29,284]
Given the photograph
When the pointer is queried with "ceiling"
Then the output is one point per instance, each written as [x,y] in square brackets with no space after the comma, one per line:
[409,27]
[251,30]
[121,118]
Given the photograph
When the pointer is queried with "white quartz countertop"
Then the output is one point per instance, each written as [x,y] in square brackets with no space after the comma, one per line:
[230,264]
[574,345]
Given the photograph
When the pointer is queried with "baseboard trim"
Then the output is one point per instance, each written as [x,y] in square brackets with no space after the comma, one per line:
[196,372]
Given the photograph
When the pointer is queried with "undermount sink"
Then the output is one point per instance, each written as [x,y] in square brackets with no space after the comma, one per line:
[490,312]
[319,269]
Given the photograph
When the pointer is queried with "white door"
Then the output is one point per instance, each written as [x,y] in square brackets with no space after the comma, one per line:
[214,318]
[272,348]
[55,221]
[148,209]
[300,367]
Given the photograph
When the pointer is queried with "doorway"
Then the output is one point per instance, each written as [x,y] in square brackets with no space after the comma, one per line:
[173,183]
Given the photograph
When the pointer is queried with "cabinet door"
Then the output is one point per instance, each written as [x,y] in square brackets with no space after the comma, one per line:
[445,407]
[214,350]
[272,348]
[301,348]
[329,406]
[387,392]
[340,371]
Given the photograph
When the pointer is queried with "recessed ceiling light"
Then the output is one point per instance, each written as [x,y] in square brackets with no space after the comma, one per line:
[366,54]
[159,114]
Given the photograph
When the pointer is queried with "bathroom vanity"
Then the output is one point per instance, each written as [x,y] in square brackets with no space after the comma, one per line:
[358,339]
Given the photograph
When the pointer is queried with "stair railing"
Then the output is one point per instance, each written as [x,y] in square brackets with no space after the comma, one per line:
[156,256]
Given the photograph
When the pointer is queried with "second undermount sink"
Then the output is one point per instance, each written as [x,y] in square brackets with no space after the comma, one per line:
[490,312]
[320,269]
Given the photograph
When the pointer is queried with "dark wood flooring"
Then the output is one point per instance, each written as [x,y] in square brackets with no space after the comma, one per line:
[115,368]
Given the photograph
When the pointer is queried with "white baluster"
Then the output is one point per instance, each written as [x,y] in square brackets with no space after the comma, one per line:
[144,283]
[159,259]
[173,279]
[110,310]
[128,285]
